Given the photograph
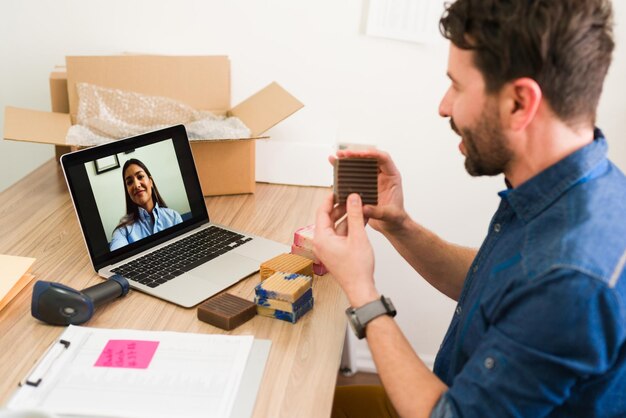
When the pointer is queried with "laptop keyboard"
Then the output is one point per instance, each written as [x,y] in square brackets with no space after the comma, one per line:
[171,261]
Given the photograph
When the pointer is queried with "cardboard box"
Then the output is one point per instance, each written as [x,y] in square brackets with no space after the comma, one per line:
[202,82]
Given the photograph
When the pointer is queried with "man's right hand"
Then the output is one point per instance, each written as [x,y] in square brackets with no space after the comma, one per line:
[442,264]
[388,216]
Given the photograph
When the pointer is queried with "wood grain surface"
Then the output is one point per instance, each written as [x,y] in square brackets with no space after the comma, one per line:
[37,220]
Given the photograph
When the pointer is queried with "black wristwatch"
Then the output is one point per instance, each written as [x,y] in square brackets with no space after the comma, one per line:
[359,317]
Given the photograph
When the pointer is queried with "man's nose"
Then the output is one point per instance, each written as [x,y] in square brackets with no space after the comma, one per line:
[445,106]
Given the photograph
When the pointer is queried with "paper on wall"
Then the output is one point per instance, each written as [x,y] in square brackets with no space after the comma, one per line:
[406,20]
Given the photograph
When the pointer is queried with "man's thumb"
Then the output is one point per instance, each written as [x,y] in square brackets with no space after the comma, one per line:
[356,224]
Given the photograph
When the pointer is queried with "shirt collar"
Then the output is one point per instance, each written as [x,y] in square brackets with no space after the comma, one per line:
[534,195]
[143,214]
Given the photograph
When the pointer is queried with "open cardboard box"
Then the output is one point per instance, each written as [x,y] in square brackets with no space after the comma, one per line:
[203,82]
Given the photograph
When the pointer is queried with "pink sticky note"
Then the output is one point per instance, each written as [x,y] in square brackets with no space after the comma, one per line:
[130,354]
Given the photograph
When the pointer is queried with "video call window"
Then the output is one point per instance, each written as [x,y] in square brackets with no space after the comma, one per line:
[138,193]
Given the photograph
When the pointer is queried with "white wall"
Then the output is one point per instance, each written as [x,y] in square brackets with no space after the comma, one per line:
[355,88]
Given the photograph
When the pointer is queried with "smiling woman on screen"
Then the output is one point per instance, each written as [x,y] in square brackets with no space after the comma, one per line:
[146,212]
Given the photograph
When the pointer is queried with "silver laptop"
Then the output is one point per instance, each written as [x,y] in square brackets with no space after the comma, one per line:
[141,210]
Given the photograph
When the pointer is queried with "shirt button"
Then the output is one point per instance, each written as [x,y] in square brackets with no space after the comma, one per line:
[489,363]
[497,227]
[475,269]
[458,310]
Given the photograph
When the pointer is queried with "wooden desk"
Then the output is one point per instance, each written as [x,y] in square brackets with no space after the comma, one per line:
[37,219]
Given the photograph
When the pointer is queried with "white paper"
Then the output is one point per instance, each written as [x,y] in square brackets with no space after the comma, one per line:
[12,268]
[295,163]
[190,375]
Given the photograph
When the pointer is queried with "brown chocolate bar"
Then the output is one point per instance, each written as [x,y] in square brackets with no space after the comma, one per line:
[356,175]
[226,311]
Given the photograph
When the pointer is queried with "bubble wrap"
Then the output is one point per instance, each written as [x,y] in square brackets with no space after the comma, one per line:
[105,115]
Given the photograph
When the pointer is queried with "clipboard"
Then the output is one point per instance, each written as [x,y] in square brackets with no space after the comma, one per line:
[218,374]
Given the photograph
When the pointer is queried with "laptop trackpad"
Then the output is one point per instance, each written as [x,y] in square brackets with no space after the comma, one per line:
[226,270]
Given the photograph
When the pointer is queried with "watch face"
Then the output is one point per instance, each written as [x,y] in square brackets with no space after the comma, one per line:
[360,317]
[353,320]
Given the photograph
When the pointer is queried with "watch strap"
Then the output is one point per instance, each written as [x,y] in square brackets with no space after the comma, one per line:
[360,317]
[371,310]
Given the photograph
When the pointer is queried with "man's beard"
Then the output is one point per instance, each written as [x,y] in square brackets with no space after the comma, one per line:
[485,145]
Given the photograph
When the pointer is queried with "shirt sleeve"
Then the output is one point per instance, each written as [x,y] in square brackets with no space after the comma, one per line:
[177,218]
[171,218]
[542,339]
[119,239]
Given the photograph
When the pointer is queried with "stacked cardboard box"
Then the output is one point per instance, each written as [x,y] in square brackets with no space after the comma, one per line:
[285,296]
[225,166]
[303,246]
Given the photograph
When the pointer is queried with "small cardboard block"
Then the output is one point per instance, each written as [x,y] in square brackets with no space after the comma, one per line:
[282,305]
[226,311]
[292,317]
[284,286]
[356,175]
[286,263]
[303,237]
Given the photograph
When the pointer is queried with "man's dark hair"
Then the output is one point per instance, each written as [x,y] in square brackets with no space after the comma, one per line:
[564,45]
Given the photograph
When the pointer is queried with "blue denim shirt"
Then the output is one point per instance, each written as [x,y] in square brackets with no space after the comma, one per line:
[540,326]
[144,226]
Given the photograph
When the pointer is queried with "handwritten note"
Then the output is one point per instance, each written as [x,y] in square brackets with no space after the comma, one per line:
[198,372]
[129,354]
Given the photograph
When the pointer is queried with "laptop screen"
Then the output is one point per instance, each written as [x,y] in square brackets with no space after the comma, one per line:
[134,193]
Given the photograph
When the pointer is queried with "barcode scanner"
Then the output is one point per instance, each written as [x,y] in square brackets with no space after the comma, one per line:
[58,304]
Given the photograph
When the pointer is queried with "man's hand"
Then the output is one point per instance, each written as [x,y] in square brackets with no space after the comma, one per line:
[350,259]
[389,215]
[345,250]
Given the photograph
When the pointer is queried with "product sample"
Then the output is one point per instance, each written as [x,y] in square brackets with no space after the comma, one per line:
[286,263]
[287,316]
[284,296]
[356,175]
[283,305]
[283,286]
[304,252]
[226,311]
[303,237]
[319,269]
[303,245]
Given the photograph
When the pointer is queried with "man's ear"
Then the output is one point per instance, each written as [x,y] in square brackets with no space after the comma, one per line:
[520,101]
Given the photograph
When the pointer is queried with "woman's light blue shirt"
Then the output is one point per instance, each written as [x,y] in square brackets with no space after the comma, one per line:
[144,226]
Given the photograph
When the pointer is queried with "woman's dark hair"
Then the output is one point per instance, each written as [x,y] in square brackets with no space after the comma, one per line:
[132,210]
[564,45]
